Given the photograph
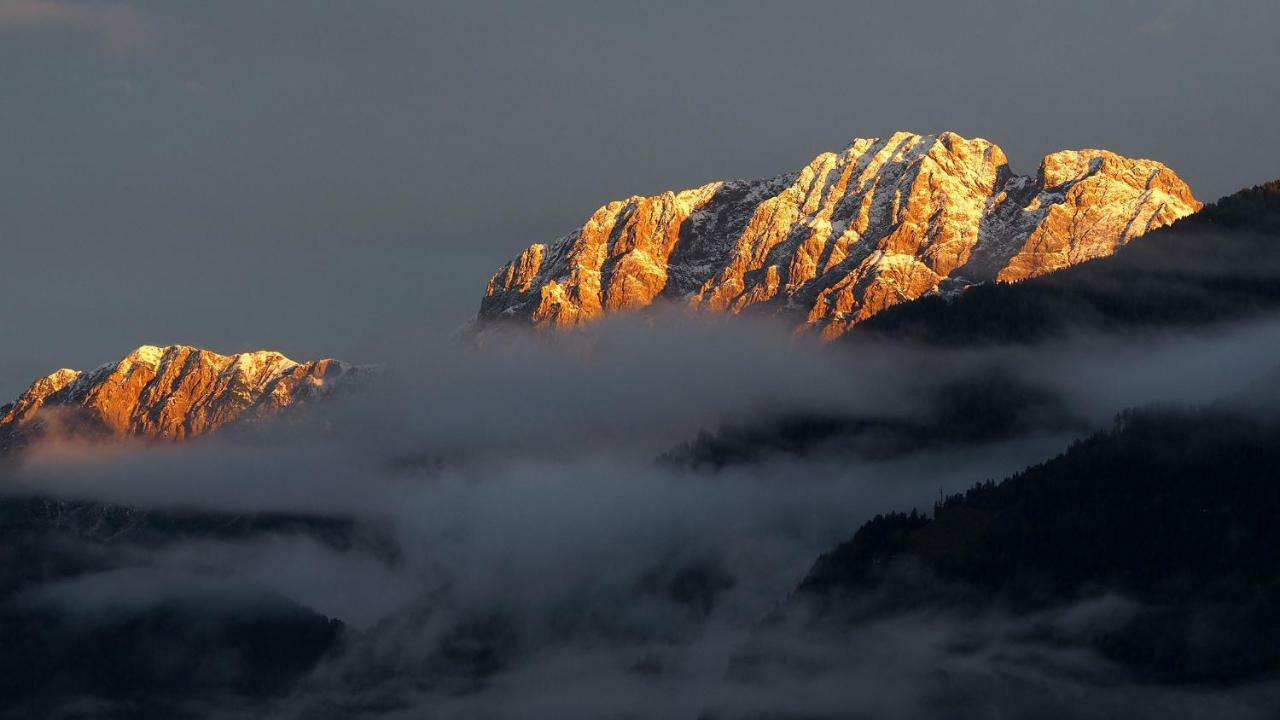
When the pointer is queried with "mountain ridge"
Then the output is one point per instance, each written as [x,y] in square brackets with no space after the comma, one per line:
[885,221]
[172,392]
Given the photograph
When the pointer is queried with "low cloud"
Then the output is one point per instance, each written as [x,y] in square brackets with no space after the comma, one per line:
[547,566]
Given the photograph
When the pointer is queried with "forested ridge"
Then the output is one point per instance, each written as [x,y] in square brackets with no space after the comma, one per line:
[1174,508]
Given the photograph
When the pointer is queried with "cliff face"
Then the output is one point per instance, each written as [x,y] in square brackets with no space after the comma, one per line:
[174,392]
[882,222]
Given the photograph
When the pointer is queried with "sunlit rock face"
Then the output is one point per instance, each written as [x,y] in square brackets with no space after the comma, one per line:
[174,392]
[885,221]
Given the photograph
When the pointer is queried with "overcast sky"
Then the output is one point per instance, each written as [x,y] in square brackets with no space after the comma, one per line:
[325,178]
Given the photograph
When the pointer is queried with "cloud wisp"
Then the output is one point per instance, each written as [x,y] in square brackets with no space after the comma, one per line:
[116,27]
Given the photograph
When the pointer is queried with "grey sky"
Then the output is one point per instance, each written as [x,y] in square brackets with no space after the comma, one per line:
[330,178]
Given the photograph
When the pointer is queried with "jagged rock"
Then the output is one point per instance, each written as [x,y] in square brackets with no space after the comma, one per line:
[174,392]
[882,222]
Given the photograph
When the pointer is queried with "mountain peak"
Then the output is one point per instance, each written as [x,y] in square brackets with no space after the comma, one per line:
[884,221]
[150,354]
[174,391]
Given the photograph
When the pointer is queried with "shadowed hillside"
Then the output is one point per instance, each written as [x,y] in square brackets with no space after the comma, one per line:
[1220,264]
[1173,509]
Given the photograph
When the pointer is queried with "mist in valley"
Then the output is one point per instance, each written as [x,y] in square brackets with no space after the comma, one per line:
[521,550]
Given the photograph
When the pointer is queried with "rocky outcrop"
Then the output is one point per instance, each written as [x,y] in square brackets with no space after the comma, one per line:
[173,392]
[883,222]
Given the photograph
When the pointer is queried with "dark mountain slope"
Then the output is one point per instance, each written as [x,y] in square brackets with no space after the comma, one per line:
[1174,509]
[79,621]
[1221,264]
[989,405]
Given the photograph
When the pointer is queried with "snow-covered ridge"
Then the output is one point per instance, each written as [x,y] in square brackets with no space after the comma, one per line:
[884,221]
[177,391]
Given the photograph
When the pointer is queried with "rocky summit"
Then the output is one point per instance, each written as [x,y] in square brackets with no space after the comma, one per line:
[884,221]
[173,392]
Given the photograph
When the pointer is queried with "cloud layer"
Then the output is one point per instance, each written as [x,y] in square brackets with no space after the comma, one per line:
[547,565]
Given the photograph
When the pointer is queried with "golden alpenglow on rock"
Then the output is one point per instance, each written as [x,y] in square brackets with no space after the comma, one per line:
[173,392]
[885,221]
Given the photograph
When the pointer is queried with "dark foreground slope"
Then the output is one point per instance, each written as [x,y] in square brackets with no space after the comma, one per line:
[1221,264]
[1172,511]
[86,620]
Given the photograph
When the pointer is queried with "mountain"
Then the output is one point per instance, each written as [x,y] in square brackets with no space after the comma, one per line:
[1168,517]
[174,392]
[882,222]
[1221,264]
